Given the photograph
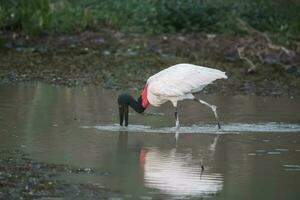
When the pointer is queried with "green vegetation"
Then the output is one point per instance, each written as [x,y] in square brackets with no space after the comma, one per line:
[277,17]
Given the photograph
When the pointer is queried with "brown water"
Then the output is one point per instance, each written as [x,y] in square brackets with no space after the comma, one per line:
[256,154]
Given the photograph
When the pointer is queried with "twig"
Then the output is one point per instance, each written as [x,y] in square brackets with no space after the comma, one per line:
[271,45]
[240,52]
[258,54]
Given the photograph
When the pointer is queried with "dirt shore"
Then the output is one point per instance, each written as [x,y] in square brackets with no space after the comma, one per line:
[23,178]
[124,61]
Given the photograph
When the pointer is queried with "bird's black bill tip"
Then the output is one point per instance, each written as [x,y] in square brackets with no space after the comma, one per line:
[121,114]
[126,115]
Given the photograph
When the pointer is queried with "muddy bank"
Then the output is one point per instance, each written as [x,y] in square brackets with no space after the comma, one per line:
[23,178]
[124,61]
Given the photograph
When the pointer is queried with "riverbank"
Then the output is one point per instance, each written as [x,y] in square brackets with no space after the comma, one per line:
[24,178]
[123,61]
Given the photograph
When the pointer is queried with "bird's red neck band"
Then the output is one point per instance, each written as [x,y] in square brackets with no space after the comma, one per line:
[144,93]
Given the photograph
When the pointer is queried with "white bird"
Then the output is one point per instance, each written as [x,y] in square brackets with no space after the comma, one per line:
[176,83]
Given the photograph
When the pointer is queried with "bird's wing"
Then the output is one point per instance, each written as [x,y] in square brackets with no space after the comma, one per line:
[182,79]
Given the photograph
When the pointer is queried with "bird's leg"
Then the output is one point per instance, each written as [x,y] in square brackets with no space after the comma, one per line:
[126,115]
[177,126]
[177,119]
[121,114]
[213,108]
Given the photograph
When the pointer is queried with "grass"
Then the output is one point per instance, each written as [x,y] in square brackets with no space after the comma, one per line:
[280,18]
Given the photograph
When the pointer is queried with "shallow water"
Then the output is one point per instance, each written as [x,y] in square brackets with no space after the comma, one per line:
[256,154]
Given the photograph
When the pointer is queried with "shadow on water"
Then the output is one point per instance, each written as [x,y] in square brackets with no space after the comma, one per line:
[254,156]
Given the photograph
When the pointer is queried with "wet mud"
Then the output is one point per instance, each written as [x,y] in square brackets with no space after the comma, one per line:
[124,61]
[24,178]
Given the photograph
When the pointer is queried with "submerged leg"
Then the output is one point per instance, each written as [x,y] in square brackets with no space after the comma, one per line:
[121,114]
[213,108]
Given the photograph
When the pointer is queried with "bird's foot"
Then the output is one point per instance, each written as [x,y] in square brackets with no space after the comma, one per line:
[177,126]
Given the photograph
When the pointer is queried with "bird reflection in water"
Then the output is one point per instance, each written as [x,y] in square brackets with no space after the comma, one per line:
[177,174]
[174,172]
[122,140]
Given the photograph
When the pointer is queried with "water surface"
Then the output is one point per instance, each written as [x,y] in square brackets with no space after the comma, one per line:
[256,154]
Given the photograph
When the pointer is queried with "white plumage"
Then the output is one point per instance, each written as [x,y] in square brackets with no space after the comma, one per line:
[179,82]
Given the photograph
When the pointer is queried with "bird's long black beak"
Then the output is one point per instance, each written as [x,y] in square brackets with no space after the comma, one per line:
[126,115]
[121,114]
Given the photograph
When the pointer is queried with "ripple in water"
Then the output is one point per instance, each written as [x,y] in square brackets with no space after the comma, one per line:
[206,128]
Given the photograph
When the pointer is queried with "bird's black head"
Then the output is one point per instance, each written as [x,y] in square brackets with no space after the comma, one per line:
[125,100]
